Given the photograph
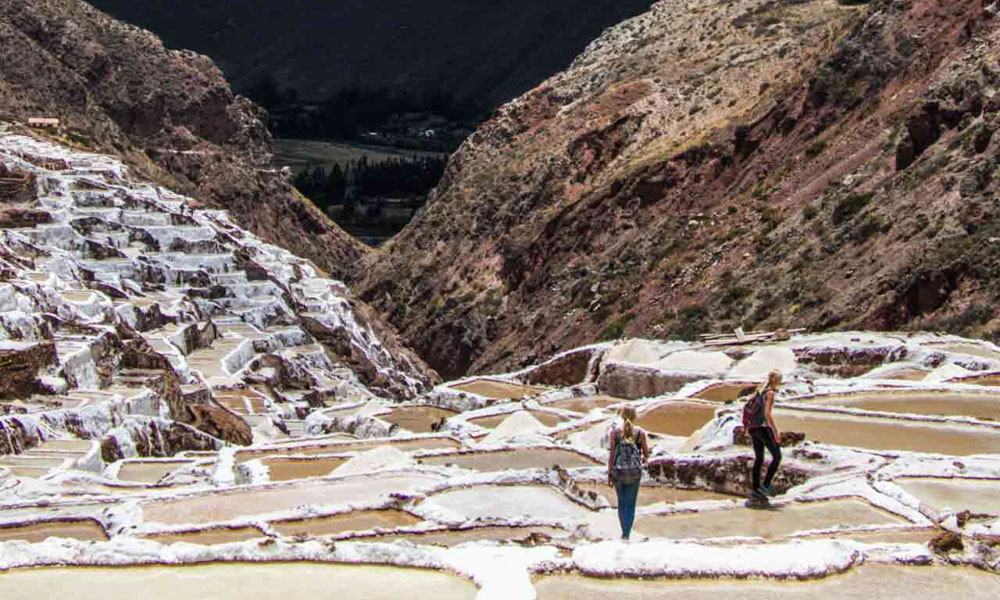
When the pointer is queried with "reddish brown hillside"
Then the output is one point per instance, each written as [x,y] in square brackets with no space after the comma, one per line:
[711,164]
[117,89]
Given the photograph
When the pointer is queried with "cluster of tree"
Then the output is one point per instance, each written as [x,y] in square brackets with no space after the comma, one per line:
[352,113]
[409,178]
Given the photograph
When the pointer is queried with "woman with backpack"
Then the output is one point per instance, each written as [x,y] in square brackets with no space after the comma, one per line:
[759,423]
[629,454]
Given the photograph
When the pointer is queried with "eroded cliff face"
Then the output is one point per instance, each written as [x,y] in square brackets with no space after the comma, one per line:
[170,113]
[710,164]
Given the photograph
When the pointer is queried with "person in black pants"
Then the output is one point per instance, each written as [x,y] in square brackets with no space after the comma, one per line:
[766,433]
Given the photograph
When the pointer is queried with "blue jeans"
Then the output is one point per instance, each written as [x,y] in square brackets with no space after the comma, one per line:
[627,495]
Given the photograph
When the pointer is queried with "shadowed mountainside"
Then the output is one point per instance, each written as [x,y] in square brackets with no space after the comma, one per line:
[482,50]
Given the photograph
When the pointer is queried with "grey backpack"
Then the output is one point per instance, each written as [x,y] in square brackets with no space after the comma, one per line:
[627,464]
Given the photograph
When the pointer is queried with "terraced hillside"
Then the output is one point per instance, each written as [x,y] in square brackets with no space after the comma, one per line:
[714,164]
[125,308]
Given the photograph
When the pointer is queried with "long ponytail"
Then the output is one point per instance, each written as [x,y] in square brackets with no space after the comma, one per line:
[628,430]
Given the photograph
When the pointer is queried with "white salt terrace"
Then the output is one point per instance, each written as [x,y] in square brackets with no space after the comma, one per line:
[503,496]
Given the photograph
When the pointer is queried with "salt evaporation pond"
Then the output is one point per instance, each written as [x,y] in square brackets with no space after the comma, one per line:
[878,433]
[978,495]
[676,418]
[967,348]
[545,418]
[724,392]
[213,507]
[341,447]
[148,471]
[417,419]
[885,582]
[286,469]
[255,581]
[769,524]
[353,521]
[585,404]
[80,529]
[651,494]
[500,390]
[976,405]
[208,537]
[454,537]
[508,502]
[512,459]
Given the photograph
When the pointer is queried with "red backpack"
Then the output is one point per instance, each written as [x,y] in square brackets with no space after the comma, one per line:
[753,411]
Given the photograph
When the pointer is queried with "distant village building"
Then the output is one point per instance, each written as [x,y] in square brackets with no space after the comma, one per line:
[43,123]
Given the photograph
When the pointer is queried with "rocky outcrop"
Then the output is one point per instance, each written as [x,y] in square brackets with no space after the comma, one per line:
[220,423]
[635,381]
[565,370]
[724,474]
[150,437]
[20,366]
[115,88]
[698,151]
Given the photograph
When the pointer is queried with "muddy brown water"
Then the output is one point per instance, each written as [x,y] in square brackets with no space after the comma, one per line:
[417,419]
[877,433]
[651,494]
[586,404]
[980,406]
[83,529]
[883,536]
[768,524]
[354,521]
[889,582]
[214,507]
[285,469]
[904,374]
[233,581]
[208,537]
[512,459]
[476,534]
[499,390]
[977,495]
[545,418]
[341,447]
[966,348]
[148,471]
[723,392]
[676,418]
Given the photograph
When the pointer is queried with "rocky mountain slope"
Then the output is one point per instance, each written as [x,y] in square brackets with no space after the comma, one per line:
[482,50]
[170,113]
[713,164]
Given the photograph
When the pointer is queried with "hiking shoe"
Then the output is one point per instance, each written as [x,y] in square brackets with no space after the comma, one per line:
[767,491]
[758,496]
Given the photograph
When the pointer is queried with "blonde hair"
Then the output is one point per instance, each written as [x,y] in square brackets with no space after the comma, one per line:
[628,415]
[772,383]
